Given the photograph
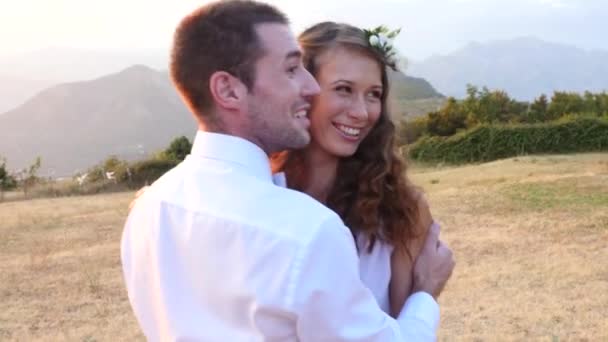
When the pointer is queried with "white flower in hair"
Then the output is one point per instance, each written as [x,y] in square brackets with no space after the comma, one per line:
[373,40]
[381,39]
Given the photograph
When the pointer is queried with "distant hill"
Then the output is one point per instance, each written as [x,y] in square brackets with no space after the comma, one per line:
[73,126]
[412,96]
[407,87]
[129,114]
[23,75]
[524,67]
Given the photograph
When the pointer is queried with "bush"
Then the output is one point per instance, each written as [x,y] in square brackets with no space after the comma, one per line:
[491,142]
[410,131]
[147,171]
[65,189]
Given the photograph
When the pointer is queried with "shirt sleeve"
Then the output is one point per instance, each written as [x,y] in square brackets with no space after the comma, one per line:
[333,304]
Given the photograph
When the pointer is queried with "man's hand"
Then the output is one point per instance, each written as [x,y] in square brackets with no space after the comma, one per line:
[434,265]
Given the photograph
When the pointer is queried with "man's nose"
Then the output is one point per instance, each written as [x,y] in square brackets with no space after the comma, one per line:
[310,85]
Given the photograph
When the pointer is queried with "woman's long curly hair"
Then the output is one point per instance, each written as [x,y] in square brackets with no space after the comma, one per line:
[371,193]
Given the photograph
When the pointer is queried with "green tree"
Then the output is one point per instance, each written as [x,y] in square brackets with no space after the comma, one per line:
[117,167]
[178,149]
[602,103]
[448,120]
[470,105]
[563,103]
[412,130]
[112,165]
[491,106]
[7,181]
[29,176]
[495,106]
[538,110]
[590,102]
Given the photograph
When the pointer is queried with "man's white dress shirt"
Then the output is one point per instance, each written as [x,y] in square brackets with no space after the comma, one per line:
[215,251]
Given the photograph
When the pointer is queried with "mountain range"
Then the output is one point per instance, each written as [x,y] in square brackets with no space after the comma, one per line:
[129,114]
[524,67]
[73,126]
[23,75]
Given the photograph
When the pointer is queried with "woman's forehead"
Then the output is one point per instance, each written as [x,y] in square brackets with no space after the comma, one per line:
[341,61]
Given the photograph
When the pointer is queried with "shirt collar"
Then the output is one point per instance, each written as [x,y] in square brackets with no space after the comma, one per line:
[235,150]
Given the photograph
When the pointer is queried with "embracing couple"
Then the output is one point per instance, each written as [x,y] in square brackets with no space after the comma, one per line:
[293,218]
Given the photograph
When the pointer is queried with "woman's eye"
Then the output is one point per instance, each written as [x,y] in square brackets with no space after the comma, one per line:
[344,89]
[376,94]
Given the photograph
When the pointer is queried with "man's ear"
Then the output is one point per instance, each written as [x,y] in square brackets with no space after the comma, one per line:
[227,91]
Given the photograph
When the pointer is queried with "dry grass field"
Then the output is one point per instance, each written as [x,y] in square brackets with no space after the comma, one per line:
[530,236]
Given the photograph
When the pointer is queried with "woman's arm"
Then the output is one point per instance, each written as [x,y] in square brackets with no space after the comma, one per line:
[402,265]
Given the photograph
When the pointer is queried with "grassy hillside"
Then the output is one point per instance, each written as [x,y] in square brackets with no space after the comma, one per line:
[411,96]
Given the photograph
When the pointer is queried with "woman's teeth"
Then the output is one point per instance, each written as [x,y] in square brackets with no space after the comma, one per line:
[350,131]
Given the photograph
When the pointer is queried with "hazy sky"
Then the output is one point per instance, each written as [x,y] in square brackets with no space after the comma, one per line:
[429,26]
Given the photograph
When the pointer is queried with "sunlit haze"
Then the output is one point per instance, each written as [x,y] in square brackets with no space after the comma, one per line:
[429,27]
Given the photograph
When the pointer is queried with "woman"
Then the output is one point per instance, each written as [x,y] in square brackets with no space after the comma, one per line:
[352,164]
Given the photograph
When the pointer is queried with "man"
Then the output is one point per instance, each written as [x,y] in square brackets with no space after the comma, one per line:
[214,251]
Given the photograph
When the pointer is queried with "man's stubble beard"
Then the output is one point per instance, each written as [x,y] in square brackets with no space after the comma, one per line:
[275,131]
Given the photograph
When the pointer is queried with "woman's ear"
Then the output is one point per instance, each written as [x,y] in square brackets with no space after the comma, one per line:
[228,91]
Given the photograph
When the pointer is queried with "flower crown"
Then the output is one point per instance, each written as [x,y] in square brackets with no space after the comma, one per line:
[381,39]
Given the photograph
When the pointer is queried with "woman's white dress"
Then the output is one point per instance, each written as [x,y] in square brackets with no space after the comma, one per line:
[375,269]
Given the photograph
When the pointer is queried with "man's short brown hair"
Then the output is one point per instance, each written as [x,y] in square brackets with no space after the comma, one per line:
[220,36]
